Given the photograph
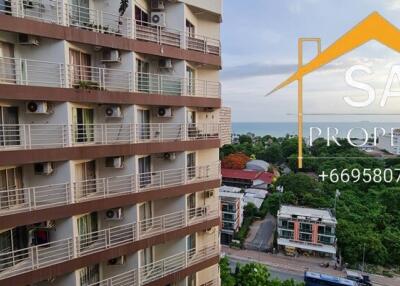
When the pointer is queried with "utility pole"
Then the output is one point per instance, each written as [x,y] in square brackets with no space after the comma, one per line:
[337,194]
[363,262]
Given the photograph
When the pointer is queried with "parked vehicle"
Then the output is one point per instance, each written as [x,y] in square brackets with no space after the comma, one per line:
[363,280]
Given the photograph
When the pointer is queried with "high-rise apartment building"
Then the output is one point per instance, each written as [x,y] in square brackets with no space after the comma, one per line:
[110,125]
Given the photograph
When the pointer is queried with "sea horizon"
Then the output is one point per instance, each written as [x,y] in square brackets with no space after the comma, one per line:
[280,129]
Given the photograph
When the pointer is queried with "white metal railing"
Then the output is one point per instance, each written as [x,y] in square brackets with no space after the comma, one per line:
[49,74]
[28,199]
[166,266]
[54,11]
[159,269]
[129,278]
[172,85]
[30,72]
[39,197]
[97,20]
[203,44]
[108,187]
[39,136]
[159,34]
[96,78]
[15,262]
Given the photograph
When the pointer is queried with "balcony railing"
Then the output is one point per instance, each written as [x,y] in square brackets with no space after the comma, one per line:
[20,261]
[31,72]
[35,198]
[97,21]
[180,261]
[162,268]
[49,74]
[95,78]
[153,33]
[172,85]
[41,136]
[53,11]
[203,44]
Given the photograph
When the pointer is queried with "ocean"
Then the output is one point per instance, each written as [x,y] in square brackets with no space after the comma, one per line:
[280,129]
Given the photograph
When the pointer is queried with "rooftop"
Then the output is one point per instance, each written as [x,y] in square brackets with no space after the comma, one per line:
[247,175]
[306,213]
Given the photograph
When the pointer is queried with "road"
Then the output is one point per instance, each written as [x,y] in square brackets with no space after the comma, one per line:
[275,273]
[284,267]
[261,234]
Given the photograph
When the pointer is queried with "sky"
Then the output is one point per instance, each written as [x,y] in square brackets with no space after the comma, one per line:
[259,42]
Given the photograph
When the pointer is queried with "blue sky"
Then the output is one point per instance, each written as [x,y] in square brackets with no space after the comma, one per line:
[259,39]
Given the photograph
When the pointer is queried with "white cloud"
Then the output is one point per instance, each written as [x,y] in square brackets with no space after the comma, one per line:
[392,5]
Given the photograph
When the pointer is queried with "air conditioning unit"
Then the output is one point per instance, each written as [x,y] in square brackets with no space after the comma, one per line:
[114,214]
[116,261]
[164,112]
[165,64]
[169,156]
[113,111]
[209,194]
[25,39]
[111,56]
[38,107]
[115,162]
[45,168]
[157,5]
[158,18]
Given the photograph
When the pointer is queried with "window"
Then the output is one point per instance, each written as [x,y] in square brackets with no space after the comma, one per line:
[190,76]
[144,171]
[145,214]
[143,77]
[81,70]
[89,275]
[141,17]
[286,234]
[191,165]
[325,239]
[191,204]
[7,63]
[85,176]
[192,280]
[306,227]
[144,124]
[87,230]
[190,29]
[305,236]
[11,192]
[147,256]
[79,14]
[83,119]
[9,128]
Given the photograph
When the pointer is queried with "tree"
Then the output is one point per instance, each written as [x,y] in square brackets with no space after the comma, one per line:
[253,274]
[227,279]
[250,210]
[123,6]
[245,139]
[235,161]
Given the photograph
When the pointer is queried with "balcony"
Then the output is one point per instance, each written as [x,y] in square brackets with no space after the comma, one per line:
[20,261]
[45,136]
[41,197]
[162,268]
[99,21]
[18,71]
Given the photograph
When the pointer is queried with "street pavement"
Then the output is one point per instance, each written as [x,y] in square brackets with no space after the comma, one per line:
[261,234]
[283,266]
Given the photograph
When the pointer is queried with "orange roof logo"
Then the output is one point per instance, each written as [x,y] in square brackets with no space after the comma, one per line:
[374,27]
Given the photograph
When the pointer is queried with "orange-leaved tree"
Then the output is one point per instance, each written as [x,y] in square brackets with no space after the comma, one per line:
[235,161]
